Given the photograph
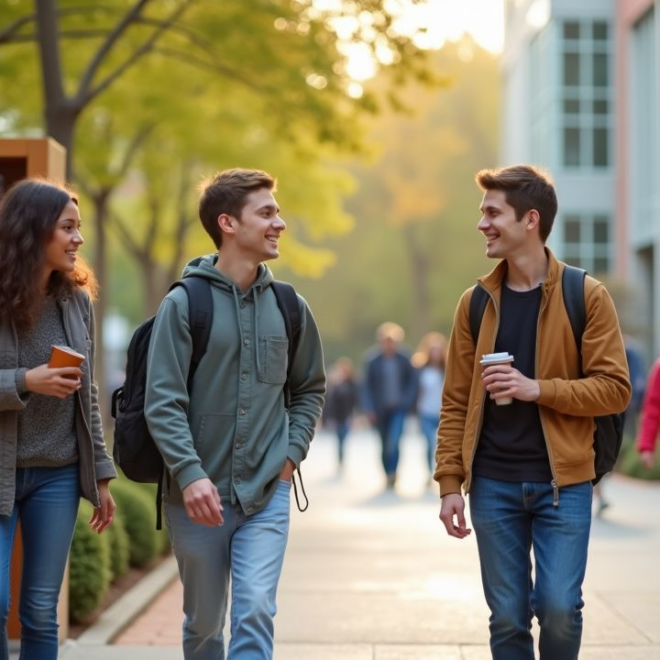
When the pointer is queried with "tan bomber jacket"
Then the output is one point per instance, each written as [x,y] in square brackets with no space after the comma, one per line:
[567,403]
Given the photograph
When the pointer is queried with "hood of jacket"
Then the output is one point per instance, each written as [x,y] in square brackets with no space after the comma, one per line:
[205,267]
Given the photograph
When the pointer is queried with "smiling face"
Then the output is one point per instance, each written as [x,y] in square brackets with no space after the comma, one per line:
[257,232]
[62,248]
[505,235]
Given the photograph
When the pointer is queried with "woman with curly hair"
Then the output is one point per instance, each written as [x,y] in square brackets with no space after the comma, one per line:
[51,441]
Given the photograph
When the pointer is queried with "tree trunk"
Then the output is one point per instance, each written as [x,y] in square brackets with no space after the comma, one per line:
[421,298]
[100,201]
[153,286]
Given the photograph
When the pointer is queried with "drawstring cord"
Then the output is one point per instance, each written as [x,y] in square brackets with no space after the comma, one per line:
[302,488]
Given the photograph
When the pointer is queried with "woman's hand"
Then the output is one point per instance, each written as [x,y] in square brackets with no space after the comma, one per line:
[648,458]
[60,382]
[104,515]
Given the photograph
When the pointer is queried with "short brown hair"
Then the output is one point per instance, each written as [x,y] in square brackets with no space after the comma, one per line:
[227,193]
[525,187]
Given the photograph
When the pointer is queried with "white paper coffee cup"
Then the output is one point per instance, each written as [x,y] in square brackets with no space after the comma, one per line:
[497,358]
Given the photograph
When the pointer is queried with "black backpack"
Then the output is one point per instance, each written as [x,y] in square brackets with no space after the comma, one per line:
[134,449]
[608,429]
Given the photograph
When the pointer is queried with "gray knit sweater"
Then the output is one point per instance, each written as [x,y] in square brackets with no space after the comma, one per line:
[46,427]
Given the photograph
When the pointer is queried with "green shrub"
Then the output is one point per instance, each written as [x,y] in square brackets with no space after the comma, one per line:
[163,539]
[138,513]
[631,464]
[89,567]
[119,543]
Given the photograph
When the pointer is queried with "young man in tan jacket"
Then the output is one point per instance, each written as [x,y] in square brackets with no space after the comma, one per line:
[527,466]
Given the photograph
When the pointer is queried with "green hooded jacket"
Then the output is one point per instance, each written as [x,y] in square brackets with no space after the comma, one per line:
[233,427]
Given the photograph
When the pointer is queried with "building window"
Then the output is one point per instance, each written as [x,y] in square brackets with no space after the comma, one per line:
[586,94]
[587,241]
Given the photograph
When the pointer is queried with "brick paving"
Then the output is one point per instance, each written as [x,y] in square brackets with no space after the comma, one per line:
[160,624]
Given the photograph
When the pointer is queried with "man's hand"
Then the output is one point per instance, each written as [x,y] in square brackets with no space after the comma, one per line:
[60,382]
[502,380]
[454,505]
[287,471]
[202,502]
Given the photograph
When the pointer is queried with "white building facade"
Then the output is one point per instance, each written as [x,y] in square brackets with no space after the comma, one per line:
[578,78]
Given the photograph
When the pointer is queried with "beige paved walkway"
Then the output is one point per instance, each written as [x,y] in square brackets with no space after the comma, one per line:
[372,576]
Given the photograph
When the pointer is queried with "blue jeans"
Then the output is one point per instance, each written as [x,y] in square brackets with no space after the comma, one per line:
[342,431]
[390,429]
[509,520]
[429,427]
[46,504]
[250,549]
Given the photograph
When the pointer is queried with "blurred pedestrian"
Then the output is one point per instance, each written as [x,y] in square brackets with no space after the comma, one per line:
[341,402]
[429,359]
[638,382]
[51,441]
[650,420]
[388,393]
[630,416]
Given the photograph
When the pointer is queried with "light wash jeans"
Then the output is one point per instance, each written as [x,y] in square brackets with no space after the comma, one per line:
[509,520]
[46,503]
[429,426]
[250,549]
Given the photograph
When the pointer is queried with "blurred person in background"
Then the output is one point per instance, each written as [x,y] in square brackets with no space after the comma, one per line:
[429,359]
[650,420]
[341,402]
[631,416]
[389,391]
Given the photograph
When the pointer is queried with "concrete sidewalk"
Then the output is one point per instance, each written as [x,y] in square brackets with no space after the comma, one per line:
[371,575]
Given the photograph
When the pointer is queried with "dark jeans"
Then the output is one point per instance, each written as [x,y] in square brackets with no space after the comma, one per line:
[390,429]
[511,519]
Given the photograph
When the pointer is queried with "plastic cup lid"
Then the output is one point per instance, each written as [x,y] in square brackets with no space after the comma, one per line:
[496,357]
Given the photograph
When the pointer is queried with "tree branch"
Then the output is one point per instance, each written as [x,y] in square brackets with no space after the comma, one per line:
[84,91]
[215,67]
[106,47]
[7,34]
[128,242]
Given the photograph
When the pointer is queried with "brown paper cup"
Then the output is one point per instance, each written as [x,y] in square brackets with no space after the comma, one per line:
[63,356]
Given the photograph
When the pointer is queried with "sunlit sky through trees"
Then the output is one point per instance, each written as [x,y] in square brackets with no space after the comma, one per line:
[439,21]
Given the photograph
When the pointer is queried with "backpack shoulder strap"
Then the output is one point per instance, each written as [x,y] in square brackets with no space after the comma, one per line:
[572,285]
[478,302]
[287,301]
[200,306]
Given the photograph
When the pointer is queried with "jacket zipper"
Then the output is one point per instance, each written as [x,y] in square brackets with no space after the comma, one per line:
[90,471]
[553,482]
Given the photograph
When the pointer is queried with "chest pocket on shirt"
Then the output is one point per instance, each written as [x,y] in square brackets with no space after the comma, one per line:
[273,359]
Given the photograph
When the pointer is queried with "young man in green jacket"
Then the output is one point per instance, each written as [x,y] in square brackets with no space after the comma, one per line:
[230,445]
[527,465]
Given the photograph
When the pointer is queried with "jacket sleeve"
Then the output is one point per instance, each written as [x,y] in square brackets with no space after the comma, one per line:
[307,386]
[650,423]
[166,397]
[605,386]
[10,384]
[104,467]
[450,472]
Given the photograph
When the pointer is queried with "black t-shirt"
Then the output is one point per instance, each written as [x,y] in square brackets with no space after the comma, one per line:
[511,446]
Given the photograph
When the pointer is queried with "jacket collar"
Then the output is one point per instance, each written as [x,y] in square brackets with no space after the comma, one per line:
[494,280]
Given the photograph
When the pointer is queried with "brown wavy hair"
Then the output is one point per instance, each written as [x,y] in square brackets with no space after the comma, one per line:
[29,211]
